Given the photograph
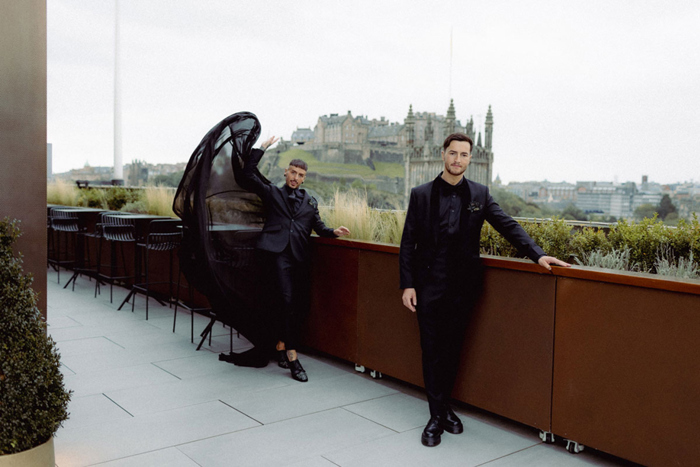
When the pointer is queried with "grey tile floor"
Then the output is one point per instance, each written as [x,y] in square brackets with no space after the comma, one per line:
[144,397]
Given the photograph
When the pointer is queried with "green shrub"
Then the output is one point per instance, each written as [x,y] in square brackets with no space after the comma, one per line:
[644,240]
[587,240]
[33,400]
[684,240]
[553,236]
[92,198]
[118,197]
[493,243]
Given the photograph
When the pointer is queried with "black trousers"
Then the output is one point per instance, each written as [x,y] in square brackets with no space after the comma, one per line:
[290,294]
[443,313]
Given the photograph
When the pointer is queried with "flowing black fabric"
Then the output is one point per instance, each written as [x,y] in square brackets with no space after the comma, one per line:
[221,223]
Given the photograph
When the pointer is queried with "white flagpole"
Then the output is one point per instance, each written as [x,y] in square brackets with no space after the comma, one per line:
[118,163]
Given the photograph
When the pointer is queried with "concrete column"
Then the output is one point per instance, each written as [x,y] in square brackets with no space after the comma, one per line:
[23,130]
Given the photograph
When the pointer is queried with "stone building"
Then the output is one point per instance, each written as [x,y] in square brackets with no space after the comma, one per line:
[417,143]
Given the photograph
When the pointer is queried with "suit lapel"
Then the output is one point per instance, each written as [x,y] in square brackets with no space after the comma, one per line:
[435,211]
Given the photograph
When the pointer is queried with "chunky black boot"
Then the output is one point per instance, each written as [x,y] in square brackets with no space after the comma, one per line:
[450,422]
[431,433]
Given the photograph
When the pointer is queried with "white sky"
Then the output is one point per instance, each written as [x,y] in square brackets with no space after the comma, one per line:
[580,90]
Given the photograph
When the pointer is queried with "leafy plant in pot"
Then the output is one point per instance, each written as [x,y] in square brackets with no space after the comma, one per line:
[33,399]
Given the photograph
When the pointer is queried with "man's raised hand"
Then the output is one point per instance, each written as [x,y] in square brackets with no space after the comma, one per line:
[269,142]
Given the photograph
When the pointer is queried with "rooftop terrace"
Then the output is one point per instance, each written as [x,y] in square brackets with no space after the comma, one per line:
[144,397]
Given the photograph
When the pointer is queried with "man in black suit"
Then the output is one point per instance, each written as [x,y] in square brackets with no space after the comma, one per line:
[284,246]
[440,271]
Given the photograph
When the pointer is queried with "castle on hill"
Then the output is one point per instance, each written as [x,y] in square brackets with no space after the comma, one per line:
[416,143]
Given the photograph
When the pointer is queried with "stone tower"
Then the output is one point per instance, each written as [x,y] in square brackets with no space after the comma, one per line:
[488,130]
[450,119]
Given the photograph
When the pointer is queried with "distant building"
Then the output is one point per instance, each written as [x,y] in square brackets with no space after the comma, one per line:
[302,136]
[138,173]
[619,201]
[556,195]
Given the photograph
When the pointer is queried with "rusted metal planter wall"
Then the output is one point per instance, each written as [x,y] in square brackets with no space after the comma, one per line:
[609,360]
[627,369]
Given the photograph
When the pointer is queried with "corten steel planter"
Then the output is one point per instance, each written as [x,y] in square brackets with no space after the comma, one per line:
[627,366]
[506,365]
[607,359]
[331,325]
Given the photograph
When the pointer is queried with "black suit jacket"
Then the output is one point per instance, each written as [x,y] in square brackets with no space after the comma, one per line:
[283,226]
[421,230]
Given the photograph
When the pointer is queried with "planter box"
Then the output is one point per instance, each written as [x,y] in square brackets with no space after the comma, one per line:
[610,360]
[627,368]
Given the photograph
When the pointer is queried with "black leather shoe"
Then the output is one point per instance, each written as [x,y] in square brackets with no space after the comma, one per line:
[298,372]
[451,423]
[431,433]
[282,360]
[254,358]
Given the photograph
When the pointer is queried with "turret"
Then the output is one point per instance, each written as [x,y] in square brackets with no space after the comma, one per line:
[450,119]
[470,128]
[410,123]
[428,134]
[488,130]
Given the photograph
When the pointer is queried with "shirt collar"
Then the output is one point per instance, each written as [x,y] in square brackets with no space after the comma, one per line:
[447,188]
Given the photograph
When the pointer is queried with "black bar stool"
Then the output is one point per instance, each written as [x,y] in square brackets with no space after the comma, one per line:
[163,235]
[117,229]
[63,220]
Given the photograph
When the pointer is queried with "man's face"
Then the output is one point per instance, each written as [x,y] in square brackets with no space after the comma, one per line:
[457,157]
[294,176]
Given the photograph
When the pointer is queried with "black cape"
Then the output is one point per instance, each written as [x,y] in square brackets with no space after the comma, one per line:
[221,223]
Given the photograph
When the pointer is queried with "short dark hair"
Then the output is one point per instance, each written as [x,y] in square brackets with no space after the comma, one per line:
[458,137]
[299,163]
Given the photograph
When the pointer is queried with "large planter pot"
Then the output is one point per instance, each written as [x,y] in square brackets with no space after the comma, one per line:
[40,456]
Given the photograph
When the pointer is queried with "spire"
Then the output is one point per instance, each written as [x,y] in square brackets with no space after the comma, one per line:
[478,143]
[428,134]
[450,119]
[488,129]
[410,121]
[469,130]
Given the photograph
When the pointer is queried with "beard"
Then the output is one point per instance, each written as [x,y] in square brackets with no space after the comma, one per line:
[454,171]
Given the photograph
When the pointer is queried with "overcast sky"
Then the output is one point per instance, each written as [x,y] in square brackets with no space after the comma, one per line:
[580,90]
